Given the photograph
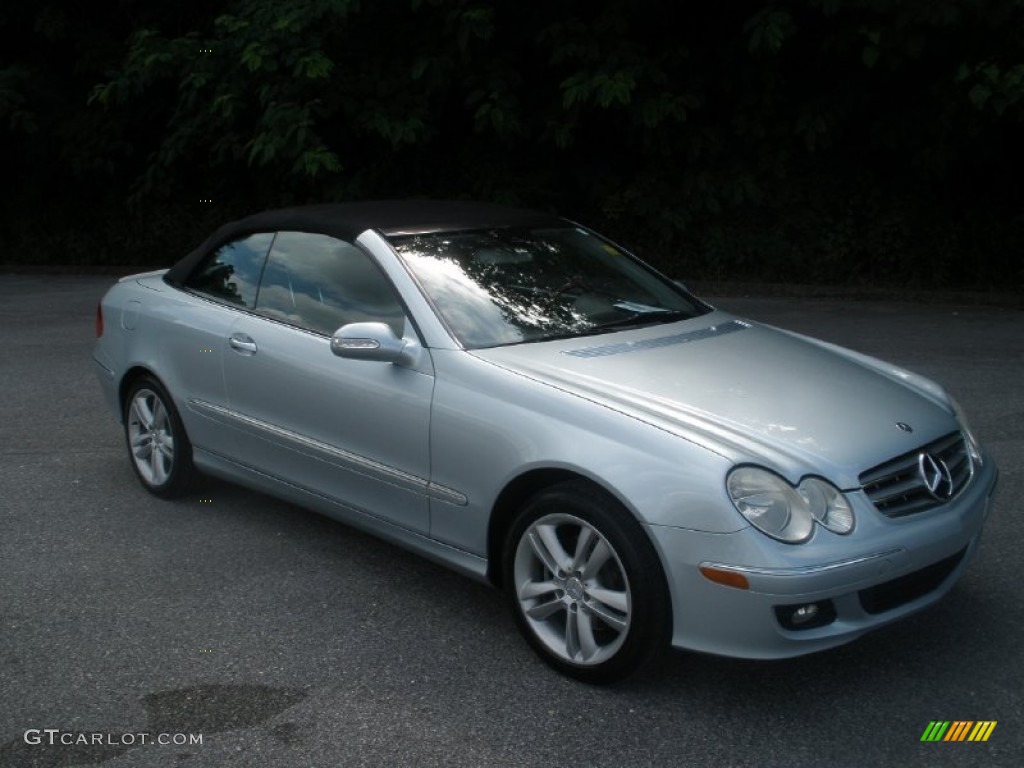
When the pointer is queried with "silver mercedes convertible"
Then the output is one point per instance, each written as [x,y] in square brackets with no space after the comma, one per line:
[512,395]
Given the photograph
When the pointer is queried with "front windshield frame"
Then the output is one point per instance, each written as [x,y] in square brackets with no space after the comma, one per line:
[481,316]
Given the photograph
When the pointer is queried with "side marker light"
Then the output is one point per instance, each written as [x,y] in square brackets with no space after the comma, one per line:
[728,578]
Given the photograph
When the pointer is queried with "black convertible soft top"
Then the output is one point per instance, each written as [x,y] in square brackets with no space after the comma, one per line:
[349,220]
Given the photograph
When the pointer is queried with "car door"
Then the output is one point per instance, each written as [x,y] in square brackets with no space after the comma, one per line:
[355,431]
[198,325]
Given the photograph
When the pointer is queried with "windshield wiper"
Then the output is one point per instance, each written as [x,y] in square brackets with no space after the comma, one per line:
[648,317]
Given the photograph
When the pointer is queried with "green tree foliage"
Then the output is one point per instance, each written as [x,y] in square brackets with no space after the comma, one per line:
[809,140]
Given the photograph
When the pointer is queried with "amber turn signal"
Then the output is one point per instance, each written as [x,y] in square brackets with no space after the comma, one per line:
[728,578]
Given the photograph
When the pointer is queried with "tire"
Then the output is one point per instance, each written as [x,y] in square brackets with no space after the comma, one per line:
[586,585]
[158,447]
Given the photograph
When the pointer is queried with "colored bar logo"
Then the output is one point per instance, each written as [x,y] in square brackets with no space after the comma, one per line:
[959,730]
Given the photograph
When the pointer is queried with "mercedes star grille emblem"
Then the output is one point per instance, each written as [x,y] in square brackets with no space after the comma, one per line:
[936,476]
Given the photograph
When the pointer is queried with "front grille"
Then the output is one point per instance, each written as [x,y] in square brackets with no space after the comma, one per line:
[896,487]
[893,594]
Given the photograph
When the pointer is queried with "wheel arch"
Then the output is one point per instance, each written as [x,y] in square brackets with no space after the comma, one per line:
[132,375]
[515,494]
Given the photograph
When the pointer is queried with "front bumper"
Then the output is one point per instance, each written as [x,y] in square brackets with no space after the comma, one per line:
[884,570]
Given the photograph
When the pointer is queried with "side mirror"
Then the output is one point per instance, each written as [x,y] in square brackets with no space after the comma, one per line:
[373,341]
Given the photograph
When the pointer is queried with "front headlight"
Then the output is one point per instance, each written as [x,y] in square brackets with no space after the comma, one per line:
[827,504]
[786,513]
[973,446]
[770,504]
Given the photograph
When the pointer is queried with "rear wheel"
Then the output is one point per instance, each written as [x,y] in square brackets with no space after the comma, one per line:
[585,584]
[160,452]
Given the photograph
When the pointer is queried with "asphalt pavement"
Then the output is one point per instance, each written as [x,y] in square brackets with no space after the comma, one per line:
[280,637]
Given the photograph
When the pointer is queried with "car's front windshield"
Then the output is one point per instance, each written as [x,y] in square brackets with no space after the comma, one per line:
[506,286]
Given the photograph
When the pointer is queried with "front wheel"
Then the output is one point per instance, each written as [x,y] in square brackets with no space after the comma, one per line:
[586,585]
[159,448]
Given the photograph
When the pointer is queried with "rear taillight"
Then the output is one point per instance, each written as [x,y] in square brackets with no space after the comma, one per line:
[99,320]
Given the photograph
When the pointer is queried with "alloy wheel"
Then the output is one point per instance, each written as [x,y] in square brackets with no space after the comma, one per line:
[151,437]
[572,589]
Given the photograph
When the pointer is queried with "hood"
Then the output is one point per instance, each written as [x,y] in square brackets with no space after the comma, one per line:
[747,391]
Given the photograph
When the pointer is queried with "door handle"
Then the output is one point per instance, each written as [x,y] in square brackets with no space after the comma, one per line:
[242,343]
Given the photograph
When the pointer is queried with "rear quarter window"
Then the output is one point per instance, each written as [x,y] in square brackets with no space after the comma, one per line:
[232,272]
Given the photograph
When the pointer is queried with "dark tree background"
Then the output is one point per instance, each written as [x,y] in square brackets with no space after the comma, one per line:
[862,142]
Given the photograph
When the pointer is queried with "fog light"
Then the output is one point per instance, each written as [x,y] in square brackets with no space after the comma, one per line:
[806,615]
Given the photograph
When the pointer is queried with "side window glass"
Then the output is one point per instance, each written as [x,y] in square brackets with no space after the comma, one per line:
[232,272]
[321,283]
